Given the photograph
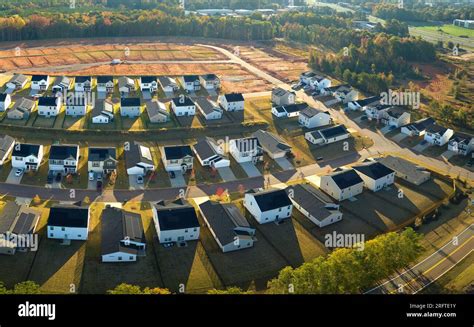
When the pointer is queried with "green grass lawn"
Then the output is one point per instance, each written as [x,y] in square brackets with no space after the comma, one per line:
[449,29]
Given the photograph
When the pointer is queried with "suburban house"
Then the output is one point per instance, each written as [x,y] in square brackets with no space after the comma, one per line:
[157,111]
[77,105]
[364,103]
[21,109]
[27,156]
[40,82]
[6,147]
[49,106]
[462,144]
[68,222]
[123,237]
[19,222]
[102,160]
[289,110]
[105,84]
[130,107]
[102,112]
[5,101]
[406,170]
[327,135]
[168,84]
[228,226]
[232,101]
[305,77]
[311,118]
[343,93]
[126,85]
[191,83]
[177,157]
[319,82]
[82,84]
[64,158]
[328,100]
[272,144]
[375,175]
[314,204]
[438,135]
[138,159]
[396,117]
[62,84]
[375,112]
[417,128]
[175,221]
[183,106]
[341,184]
[246,150]
[17,82]
[209,153]
[210,81]
[208,108]
[281,97]
[148,83]
[269,205]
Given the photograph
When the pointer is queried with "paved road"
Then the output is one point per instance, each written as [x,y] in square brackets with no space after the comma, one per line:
[418,277]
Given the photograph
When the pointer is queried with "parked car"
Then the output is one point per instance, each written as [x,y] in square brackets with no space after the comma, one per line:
[99,177]
[18,172]
[319,158]
[91,176]
[50,178]
[58,177]
[139,179]
[172,174]
[99,186]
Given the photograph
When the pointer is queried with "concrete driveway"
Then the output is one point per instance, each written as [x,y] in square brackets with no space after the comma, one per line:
[212,93]
[12,179]
[179,180]
[447,154]
[385,129]
[250,169]
[146,95]
[284,163]
[399,137]
[133,185]
[101,95]
[422,146]
[92,185]
[226,174]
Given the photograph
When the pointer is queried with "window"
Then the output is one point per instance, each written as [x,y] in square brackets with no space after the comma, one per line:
[79,235]
[63,229]
[51,234]
[51,228]
[279,209]
[119,258]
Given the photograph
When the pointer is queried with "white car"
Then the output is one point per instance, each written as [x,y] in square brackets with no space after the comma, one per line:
[18,172]
[91,176]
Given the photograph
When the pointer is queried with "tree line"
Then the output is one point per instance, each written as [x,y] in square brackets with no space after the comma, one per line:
[423,13]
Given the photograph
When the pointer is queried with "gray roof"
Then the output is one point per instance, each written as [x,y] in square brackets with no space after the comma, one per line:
[271,142]
[6,141]
[62,81]
[99,106]
[405,168]
[118,227]
[206,105]
[155,107]
[436,129]
[311,112]
[311,199]
[63,152]
[278,91]
[101,154]
[136,154]
[223,218]
[24,104]
[18,79]
[204,148]
[166,81]
[126,81]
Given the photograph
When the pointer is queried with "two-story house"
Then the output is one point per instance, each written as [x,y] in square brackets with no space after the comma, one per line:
[130,107]
[232,101]
[177,157]
[461,143]
[64,158]
[27,156]
[282,97]
[82,84]
[268,206]
[341,184]
[191,83]
[183,106]
[311,118]
[40,82]
[105,84]
[68,222]
[49,106]
[438,135]
[210,81]
[102,160]
[246,150]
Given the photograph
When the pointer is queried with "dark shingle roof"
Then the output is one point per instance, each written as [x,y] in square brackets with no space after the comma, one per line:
[368,100]
[148,79]
[6,141]
[190,78]
[183,101]
[62,152]
[101,154]
[68,216]
[37,78]
[136,154]
[204,148]
[47,101]
[83,79]
[374,170]
[346,179]
[177,152]
[130,102]
[176,215]
[271,142]
[3,96]
[104,79]
[25,149]
[334,131]
[272,199]
[311,199]
[436,129]
[296,107]
[234,97]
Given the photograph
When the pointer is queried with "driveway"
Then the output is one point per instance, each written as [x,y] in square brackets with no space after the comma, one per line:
[212,93]
[422,146]
[92,185]
[12,179]
[399,137]
[385,129]
[250,169]
[101,95]
[284,163]
[146,95]
[133,185]
[226,174]
[447,154]
[179,180]
[9,91]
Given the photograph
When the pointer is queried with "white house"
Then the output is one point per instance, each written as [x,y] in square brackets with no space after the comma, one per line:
[462,144]
[289,110]
[272,144]
[40,82]
[376,112]
[438,135]
[227,225]
[123,238]
[27,156]
[210,154]
[68,222]
[396,117]
[314,204]
[327,135]
[5,101]
[246,150]
[138,159]
[76,105]
[417,128]
[210,81]
[282,97]
[191,83]
[17,82]
[148,83]
[306,76]
[175,221]
[105,84]
[406,170]
[168,84]
[343,93]
[130,107]
[64,158]
[268,206]
[102,112]
[375,175]
[82,84]
[61,84]
[183,106]
[157,111]
[6,147]
[126,85]
[177,157]
[319,82]
[49,106]
[232,101]
[208,108]
[102,160]
[364,103]
[341,184]
[311,118]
